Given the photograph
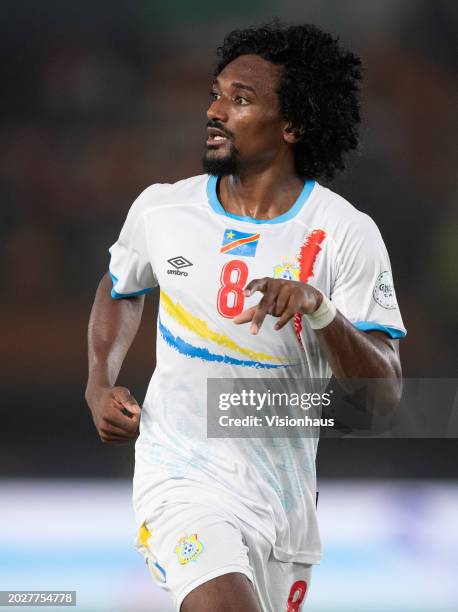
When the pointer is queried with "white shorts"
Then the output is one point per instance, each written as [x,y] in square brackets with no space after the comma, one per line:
[187,543]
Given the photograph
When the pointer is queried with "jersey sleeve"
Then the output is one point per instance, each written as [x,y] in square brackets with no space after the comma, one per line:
[131,268]
[363,289]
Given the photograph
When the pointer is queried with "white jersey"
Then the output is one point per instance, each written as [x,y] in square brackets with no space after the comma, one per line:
[180,238]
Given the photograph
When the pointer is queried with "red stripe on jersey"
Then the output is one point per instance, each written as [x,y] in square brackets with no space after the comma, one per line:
[307,257]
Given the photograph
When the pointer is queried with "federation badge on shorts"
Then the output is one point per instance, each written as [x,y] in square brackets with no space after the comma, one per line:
[188,548]
[239,243]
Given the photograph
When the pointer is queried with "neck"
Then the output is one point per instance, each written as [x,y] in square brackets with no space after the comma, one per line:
[261,194]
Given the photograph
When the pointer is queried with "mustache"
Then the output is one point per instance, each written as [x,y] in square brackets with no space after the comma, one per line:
[219,126]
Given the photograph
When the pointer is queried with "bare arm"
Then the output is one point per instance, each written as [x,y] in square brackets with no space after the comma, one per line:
[353,355]
[113,326]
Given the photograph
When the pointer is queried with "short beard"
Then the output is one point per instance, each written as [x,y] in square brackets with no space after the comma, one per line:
[221,166]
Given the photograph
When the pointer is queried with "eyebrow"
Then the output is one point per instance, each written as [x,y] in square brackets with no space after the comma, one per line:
[238,85]
[243,86]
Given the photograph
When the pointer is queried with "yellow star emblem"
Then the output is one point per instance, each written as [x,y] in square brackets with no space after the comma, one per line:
[230,234]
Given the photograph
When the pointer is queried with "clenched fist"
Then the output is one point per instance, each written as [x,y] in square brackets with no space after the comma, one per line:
[115,412]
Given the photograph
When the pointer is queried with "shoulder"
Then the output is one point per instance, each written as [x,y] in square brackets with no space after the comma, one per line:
[343,220]
[185,192]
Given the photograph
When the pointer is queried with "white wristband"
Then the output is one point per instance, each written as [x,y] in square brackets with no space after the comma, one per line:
[323,315]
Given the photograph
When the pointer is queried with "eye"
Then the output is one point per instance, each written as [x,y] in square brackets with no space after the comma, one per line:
[214,95]
[241,101]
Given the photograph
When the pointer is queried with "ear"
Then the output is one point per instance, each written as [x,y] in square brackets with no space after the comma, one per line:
[291,134]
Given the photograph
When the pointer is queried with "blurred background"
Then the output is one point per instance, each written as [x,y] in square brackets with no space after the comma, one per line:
[101,99]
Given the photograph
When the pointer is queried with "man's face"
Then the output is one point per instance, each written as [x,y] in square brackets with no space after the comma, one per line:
[245,128]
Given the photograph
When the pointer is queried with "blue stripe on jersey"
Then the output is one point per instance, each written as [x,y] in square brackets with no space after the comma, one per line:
[116,296]
[289,214]
[372,326]
[189,350]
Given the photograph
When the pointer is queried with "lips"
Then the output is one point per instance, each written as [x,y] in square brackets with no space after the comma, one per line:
[216,137]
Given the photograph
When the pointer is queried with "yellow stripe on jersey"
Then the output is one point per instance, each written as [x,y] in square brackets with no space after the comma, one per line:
[199,327]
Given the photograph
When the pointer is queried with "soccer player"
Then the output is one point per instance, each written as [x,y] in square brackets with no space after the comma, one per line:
[263,272]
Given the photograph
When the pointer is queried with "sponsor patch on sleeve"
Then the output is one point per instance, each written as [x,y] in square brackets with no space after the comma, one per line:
[384,293]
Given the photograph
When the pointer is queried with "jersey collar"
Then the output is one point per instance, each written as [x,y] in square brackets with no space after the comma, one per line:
[289,214]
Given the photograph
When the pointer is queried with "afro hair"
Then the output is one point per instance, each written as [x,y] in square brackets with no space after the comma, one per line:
[318,90]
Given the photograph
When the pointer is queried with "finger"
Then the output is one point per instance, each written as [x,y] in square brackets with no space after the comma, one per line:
[127,412]
[111,432]
[273,306]
[110,429]
[128,401]
[259,315]
[257,284]
[126,424]
[287,315]
[115,439]
[266,305]
[282,300]
[130,430]
[245,316]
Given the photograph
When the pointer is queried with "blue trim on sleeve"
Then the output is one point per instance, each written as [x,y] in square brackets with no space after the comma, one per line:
[116,296]
[289,214]
[372,326]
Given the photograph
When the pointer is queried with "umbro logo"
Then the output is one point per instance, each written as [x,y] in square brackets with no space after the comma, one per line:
[178,263]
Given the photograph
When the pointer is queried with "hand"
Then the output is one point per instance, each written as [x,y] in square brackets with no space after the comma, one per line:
[115,412]
[282,298]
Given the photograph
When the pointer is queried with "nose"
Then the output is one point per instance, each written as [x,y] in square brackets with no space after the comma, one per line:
[217,110]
